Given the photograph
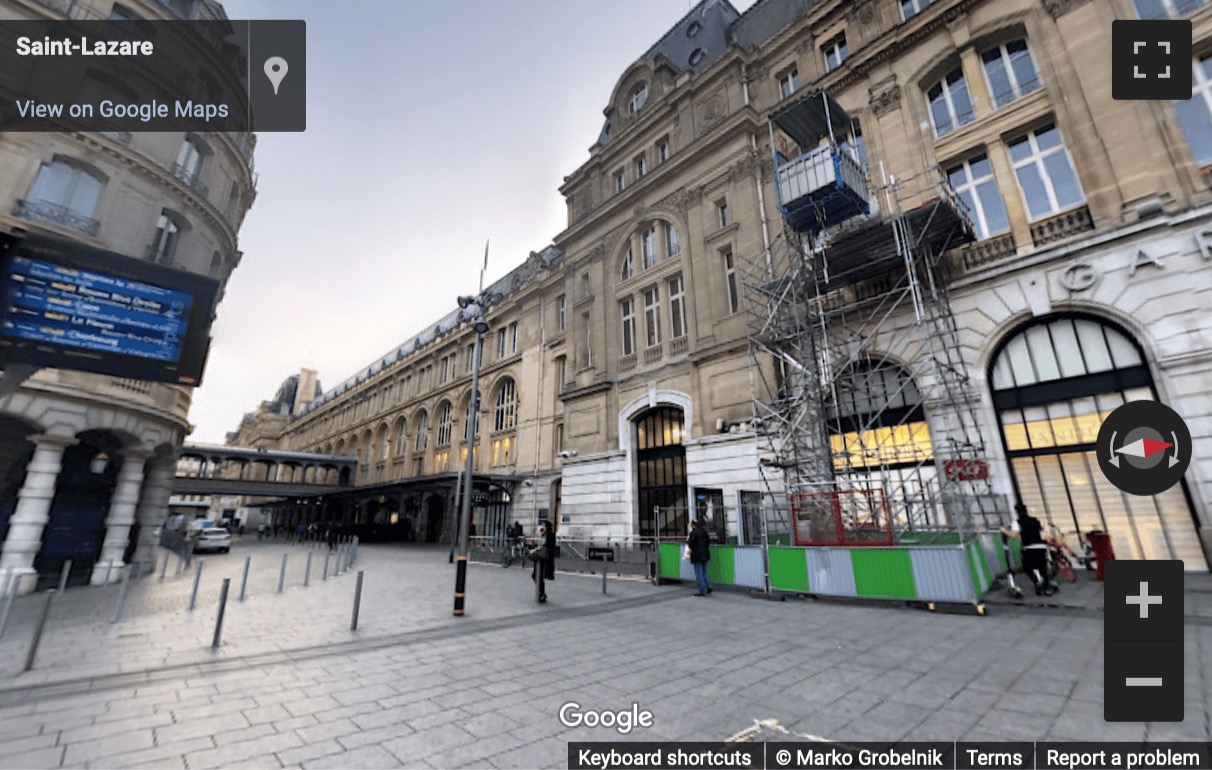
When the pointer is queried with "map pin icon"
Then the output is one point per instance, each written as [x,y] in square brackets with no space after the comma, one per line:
[275,70]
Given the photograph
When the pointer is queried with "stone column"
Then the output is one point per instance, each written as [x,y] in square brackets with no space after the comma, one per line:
[29,518]
[152,510]
[121,516]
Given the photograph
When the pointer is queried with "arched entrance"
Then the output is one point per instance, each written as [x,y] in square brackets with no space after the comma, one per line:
[434,519]
[661,472]
[76,528]
[1054,382]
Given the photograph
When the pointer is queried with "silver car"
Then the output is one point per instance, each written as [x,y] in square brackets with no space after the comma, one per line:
[213,539]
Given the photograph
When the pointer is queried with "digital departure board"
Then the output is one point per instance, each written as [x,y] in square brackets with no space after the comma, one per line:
[71,306]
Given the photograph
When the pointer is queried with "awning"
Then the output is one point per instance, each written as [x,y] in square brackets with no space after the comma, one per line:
[807,119]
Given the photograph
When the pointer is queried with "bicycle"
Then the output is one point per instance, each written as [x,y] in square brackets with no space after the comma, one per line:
[515,550]
[1060,558]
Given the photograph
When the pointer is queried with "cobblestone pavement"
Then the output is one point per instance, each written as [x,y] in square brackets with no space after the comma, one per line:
[293,687]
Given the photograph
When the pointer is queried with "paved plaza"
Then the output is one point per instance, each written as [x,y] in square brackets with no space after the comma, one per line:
[292,686]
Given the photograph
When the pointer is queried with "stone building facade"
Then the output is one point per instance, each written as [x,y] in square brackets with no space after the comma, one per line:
[617,377]
[88,460]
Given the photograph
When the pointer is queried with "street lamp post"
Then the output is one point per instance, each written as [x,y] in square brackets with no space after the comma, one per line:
[473,413]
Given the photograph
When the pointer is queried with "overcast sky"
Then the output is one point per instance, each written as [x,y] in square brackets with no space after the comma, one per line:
[431,127]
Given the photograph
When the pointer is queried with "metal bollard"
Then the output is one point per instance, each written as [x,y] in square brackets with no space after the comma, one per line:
[138,571]
[33,645]
[604,574]
[336,567]
[348,556]
[353,623]
[109,571]
[10,591]
[326,555]
[117,613]
[193,596]
[244,580]
[282,575]
[67,570]
[355,550]
[214,645]
[307,571]
[168,555]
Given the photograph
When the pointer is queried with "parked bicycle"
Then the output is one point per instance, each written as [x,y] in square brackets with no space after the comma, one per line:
[515,550]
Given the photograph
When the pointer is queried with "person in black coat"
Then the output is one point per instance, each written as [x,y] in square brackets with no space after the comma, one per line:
[699,543]
[544,559]
[1035,550]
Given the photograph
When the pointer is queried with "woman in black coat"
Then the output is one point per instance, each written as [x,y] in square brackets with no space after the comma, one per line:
[544,556]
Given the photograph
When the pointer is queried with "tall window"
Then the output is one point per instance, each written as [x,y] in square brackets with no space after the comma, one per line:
[471,354]
[628,267]
[673,246]
[641,166]
[652,316]
[835,52]
[561,372]
[1167,9]
[974,183]
[950,105]
[677,308]
[443,369]
[721,210]
[648,247]
[789,82]
[561,313]
[401,436]
[1045,172]
[189,160]
[586,352]
[1195,114]
[65,194]
[164,242]
[734,299]
[620,181]
[501,338]
[639,97]
[627,314]
[1011,71]
[662,149]
[513,337]
[911,8]
[854,144]
[445,423]
[507,406]
[422,431]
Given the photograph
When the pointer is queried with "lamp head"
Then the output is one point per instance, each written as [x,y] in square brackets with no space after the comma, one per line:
[481,326]
[465,301]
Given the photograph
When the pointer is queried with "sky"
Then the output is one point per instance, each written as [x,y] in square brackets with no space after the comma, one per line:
[433,127]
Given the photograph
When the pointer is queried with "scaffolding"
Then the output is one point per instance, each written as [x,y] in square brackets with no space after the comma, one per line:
[855,348]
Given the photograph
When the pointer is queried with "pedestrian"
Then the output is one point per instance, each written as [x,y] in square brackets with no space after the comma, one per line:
[543,557]
[332,538]
[699,544]
[471,532]
[1035,551]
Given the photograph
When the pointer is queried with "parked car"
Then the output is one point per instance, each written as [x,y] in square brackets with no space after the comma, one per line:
[213,539]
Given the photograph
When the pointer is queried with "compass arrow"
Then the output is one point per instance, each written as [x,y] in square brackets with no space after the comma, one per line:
[1143,447]
[1114,460]
[1174,457]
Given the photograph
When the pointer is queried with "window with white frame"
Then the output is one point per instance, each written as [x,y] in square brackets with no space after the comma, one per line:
[789,82]
[445,423]
[950,104]
[1045,172]
[835,52]
[164,242]
[911,8]
[734,300]
[443,369]
[677,308]
[1010,71]
[561,313]
[974,183]
[627,316]
[189,160]
[66,194]
[627,268]
[620,181]
[1167,9]
[1195,114]
[648,247]
[662,151]
[853,143]
[673,246]
[471,354]
[721,210]
[422,431]
[652,316]
[639,97]
[513,337]
[507,406]
[641,166]
[401,436]
[501,338]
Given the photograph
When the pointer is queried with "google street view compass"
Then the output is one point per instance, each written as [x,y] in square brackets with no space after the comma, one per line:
[1144,448]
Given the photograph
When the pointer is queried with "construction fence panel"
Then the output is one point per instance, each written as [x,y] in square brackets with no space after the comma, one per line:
[831,571]
[748,567]
[943,574]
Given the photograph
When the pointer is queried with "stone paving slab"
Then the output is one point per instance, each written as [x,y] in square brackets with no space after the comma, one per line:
[429,690]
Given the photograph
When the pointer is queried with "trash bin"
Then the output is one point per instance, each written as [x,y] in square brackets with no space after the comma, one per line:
[1100,542]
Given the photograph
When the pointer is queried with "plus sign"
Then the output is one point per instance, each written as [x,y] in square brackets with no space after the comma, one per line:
[1144,600]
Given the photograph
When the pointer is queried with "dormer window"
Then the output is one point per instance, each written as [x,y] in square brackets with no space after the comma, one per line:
[693,29]
[639,96]
[696,57]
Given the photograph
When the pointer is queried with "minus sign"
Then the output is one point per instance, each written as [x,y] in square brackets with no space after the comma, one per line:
[1143,681]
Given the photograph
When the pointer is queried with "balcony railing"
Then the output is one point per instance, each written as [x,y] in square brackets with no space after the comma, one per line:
[678,345]
[990,250]
[627,362]
[191,177]
[60,215]
[654,353]
[1062,225]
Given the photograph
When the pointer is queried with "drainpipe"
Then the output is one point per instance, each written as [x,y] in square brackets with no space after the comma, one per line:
[761,202]
[538,430]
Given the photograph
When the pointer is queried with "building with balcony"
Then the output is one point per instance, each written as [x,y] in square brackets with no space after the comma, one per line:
[617,381]
[88,460]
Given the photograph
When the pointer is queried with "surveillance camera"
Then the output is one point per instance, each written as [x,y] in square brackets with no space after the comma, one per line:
[568,453]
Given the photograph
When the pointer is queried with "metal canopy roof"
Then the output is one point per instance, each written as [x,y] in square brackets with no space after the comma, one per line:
[807,119]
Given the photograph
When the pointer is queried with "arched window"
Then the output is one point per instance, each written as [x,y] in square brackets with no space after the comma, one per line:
[661,472]
[639,97]
[422,421]
[507,406]
[627,266]
[445,423]
[1054,382]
